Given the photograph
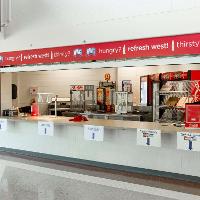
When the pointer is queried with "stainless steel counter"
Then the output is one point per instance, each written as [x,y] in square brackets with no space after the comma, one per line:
[114,116]
[112,124]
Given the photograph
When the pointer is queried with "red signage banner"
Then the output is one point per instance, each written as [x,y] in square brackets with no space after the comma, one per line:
[139,48]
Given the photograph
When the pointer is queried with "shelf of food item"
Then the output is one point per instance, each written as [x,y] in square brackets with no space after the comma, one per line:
[171,92]
[172,107]
[172,98]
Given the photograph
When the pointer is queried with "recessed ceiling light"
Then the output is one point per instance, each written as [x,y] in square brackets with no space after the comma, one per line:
[152,65]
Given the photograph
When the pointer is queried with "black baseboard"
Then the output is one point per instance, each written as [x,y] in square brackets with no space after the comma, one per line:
[122,168]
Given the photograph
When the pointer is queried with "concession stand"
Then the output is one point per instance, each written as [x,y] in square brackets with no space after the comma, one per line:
[132,114]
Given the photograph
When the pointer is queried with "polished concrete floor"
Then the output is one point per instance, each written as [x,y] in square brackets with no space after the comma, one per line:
[22,179]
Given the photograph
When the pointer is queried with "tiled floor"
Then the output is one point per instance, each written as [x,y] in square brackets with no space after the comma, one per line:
[30,180]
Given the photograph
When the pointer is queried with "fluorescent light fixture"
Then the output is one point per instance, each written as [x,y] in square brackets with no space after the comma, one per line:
[112,64]
[5,13]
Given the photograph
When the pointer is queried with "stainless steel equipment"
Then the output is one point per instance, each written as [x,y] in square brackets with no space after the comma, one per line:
[10,112]
[58,106]
[110,116]
[105,96]
[82,98]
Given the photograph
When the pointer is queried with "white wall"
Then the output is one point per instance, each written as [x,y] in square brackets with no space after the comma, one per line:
[46,23]
[58,82]
[134,73]
[6,91]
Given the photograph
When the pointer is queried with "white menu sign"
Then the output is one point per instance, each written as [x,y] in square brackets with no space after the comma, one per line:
[148,137]
[3,124]
[46,128]
[188,141]
[95,133]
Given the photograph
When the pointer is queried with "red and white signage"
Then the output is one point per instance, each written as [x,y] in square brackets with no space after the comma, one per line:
[77,87]
[194,75]
[150,47]
[195,90]
[192,116]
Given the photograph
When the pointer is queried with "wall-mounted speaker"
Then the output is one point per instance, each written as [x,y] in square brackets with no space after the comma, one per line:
[14,91]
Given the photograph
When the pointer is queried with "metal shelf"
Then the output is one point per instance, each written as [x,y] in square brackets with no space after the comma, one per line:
[171,92]
[165,106]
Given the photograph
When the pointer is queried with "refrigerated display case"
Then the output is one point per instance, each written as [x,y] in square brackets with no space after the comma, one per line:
[173,97]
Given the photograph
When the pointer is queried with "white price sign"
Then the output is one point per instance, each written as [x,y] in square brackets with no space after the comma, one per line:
[95,133]
[46,128]
[188,141]
[148,137]
[3,124]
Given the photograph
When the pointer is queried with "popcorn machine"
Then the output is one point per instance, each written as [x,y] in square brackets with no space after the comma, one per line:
[82,98]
